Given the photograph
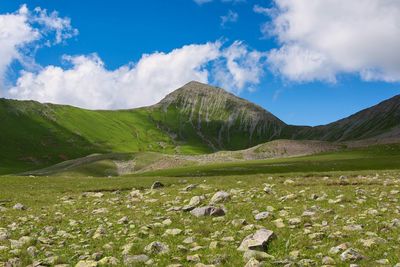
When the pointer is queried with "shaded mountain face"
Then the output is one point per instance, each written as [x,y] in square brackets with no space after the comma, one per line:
[379,121]
[217,118]
[196,118]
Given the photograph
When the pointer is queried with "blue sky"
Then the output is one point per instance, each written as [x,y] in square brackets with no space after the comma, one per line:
[120,32]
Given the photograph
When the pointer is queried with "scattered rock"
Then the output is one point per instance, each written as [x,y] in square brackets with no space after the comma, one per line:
[258,255]
[86,263]
[208,211]
[157,248]
[193,203]
[220,196]
[351,255]
[257,241]
[135,259]
[157,185]
[261,215]
[19,206]
[108,261]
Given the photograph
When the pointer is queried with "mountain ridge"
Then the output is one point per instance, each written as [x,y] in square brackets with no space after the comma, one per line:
[194,119]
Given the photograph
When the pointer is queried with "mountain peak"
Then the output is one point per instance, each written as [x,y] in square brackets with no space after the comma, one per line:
[219,117]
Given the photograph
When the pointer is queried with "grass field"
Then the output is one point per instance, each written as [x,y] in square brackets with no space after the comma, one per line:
[320,207]
[309,214]
[381,157]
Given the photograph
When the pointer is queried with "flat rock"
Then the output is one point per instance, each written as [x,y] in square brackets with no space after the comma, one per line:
[193,203]
[220,196]
[208,211]
[135,259]
[257,241]
[261,215]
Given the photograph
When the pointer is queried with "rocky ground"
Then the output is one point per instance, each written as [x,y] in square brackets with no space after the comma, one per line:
[337,220]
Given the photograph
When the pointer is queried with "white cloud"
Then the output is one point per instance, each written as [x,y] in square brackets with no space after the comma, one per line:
[239,67]
[321,39]
[53,23]
[23,29]
[87,83]
[229,17]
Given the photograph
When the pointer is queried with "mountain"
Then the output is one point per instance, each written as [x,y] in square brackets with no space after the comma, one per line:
[194,119]
[216,117]
[381,121]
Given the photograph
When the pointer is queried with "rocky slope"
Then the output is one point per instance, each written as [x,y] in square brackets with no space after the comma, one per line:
[220,119]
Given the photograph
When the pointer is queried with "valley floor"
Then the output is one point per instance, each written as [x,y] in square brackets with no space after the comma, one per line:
[332,218]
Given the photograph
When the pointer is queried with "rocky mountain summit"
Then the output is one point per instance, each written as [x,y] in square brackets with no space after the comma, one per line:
[221,119]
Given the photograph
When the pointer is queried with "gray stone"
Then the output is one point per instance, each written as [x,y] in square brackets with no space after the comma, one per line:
[258,255]
[208,211]
[257,241]
[156,248]
[261,215]
[19,206]
[108,261]
[220,196]
[193,203]
[351,255]
[86,263]
[157,185]
[130,260]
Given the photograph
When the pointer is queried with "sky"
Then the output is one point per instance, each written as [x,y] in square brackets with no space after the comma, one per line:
[309,62]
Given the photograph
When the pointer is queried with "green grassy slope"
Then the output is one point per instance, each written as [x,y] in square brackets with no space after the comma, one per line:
[35,135]
[381,119]
[380,157]
[194,119]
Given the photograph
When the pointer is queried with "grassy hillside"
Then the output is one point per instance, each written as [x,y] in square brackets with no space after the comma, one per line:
[35,135]
[380,157]
[381,120]
[195,119]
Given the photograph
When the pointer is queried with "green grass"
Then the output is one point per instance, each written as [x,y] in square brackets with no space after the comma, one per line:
[381,157]
[35,135]
[46,207]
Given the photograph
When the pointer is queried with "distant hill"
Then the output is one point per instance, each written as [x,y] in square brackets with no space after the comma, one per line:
[381,121]
[194,119]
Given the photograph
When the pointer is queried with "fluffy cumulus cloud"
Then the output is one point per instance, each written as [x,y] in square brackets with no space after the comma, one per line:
[239,67]
[21,31]
[321,39]
[86,82]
